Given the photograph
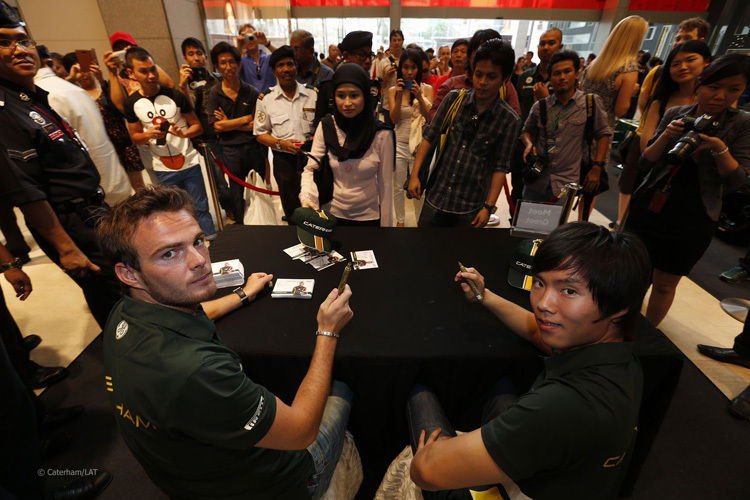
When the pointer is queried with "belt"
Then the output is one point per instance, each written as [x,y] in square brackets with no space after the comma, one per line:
[94,199]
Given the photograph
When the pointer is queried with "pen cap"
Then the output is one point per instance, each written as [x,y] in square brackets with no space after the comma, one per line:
[520,264]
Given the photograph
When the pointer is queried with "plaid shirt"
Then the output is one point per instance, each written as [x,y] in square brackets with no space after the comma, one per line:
[478,145]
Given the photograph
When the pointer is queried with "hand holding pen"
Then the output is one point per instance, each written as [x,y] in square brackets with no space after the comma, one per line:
[472,283]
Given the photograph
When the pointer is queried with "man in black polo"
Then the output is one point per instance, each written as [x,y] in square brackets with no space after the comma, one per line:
[187,411]
[532,85]
[231,107]
[572,434]
[311,71]
[48,173]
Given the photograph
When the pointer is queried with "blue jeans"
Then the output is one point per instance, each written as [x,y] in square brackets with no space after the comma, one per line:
[326,450]
[433,217]
[191,180]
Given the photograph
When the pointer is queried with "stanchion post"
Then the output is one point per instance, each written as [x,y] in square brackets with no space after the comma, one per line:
[206,150]
[570,192]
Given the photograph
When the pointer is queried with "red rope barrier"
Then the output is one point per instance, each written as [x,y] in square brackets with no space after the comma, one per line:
[240,181]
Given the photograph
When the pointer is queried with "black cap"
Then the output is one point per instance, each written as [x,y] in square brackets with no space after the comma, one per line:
[355,40]
[520,264]
[9,17]
[282,52]
[43,52]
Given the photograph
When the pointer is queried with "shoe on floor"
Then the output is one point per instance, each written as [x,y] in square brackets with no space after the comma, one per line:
[740,406]
[55,419]
[45,376]
[86,487]
[724,355]
[32,341]
[735,275]
[494,220]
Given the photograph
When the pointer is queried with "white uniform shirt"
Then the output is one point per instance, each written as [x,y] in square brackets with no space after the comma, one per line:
[285,118]
[82,113]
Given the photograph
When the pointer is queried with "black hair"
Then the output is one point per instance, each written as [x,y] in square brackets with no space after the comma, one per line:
[499,53]
[458,43]
[417,56]
[396,32]
[69,60]
[726,66]
[654,62]
[480,36]
[224,48]
[192,42]
[615,265]
[666,86]
[564,55]
[137,53]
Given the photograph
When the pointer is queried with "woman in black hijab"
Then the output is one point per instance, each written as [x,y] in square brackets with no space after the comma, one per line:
[360,151]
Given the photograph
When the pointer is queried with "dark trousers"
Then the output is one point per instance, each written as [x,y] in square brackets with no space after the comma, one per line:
[14,241]
[19,453]
[12,341]
[745,261]
[285,171]
[101,290]
[516,170]
[742,341]
[433,217]
[240,159]
[222,189]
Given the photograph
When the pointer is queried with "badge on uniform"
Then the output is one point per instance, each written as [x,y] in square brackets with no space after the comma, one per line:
[37,118]
[529,79]
[24,97]
[261,116]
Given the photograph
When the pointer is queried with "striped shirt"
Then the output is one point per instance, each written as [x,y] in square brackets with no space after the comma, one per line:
[478,145]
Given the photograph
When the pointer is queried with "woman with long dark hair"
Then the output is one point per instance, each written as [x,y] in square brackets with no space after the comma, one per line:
[360,150]
[676,207]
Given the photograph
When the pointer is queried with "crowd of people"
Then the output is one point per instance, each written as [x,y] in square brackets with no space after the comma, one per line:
[444,129]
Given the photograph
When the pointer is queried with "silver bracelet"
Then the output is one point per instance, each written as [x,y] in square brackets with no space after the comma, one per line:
[723,151]
[327,334]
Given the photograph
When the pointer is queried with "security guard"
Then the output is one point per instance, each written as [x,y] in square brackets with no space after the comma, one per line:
[284,122]
[46,171]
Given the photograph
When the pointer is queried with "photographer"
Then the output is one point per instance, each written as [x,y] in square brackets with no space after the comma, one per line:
[690,162]
[557,134]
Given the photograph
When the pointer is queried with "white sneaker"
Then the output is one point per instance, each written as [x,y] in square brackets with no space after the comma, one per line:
[494,220]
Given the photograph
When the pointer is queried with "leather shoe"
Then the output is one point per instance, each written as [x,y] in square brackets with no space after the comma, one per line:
[31,341]
[740,405]
[55,419]
[45,376]
[724,355]
[84,488]
[53,444]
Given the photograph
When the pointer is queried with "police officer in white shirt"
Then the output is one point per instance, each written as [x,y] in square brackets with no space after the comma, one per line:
[284,122]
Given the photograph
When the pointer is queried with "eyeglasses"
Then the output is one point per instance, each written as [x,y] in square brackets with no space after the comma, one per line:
[25,44]
[363,55]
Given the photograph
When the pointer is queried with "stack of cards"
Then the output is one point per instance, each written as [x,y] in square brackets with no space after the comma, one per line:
[228,273]
[319,260]
[288,288]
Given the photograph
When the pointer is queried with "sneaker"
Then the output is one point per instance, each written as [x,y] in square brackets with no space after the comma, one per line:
[494,220]
[735,275]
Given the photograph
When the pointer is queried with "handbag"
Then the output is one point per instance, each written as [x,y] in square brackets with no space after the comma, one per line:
[323,177]
[436,149]
[587,163]
[259,209]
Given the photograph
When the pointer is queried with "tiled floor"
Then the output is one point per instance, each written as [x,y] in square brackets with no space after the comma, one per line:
[57,312]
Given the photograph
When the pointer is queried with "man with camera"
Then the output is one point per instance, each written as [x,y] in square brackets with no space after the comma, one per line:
[255,65]
[196,81]
[554,134]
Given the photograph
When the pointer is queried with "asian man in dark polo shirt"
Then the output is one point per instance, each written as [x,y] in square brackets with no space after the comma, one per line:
[571,435]
[195,422]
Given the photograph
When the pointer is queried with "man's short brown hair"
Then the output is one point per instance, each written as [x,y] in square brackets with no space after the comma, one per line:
[118,224]
[695,23]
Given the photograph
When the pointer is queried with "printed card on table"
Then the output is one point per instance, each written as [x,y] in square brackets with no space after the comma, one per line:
[364,259]
[293,288]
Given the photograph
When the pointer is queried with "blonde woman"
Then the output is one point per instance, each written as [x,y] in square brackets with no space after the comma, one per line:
[613,76]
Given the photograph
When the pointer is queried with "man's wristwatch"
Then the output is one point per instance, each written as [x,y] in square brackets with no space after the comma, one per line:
[16,264]
[491,208]
[599,164]
[241,294]
[278,144]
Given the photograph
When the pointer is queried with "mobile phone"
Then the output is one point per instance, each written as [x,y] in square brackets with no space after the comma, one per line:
[86,57]
[408,84]
[120,54]
[199,74]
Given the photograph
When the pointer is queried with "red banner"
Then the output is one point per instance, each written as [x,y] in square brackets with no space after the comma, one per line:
[675,5]
[508,4]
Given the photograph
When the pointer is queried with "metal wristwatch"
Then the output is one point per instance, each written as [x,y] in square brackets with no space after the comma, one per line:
[241,294]
[491,208]
[16,264]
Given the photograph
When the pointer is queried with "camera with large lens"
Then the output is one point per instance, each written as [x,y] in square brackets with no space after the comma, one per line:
[687,144]
[534,167]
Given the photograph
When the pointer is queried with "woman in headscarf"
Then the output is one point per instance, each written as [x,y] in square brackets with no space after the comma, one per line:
[361,152]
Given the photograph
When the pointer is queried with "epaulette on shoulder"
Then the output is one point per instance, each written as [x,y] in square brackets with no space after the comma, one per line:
[308,86]
[264,93]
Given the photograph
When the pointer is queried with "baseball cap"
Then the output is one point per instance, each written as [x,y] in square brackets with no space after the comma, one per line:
[314,227]
[121,36]
[521,262]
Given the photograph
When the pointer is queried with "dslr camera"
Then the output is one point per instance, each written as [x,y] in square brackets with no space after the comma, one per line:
[199,74]
[534,167]
[687,144]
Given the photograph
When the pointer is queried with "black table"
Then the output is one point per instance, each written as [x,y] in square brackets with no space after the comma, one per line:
[411,323]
